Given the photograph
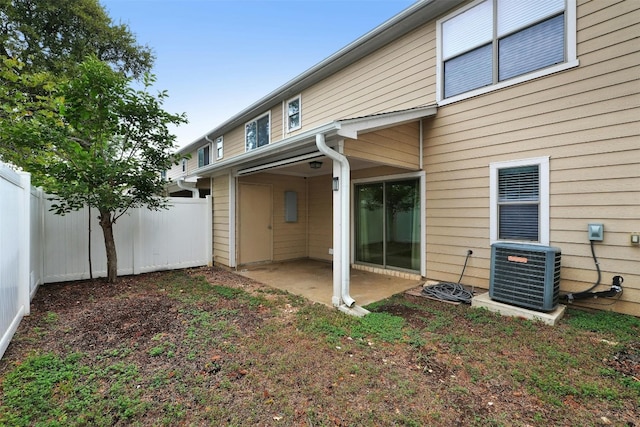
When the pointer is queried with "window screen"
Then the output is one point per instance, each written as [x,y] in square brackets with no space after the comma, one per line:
[293,114]
[532,48]
[518,203]
[203,156]
[257,133]
[497,40]
[458,79]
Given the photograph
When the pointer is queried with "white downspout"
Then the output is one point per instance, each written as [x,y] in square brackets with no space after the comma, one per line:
[183,185]
[345,173]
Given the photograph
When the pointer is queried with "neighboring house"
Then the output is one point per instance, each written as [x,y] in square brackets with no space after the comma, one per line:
[453,125]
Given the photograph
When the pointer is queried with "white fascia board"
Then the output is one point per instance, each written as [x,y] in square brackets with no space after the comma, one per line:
[350,128]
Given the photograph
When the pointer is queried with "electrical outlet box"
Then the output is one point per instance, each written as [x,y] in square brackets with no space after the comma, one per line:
[596,232]
[635,238]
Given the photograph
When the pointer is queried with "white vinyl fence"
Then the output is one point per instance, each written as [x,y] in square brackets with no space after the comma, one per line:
[15,193]
[39,247]
[178,237]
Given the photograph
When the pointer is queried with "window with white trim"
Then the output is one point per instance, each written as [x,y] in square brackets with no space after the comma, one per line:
[293,112]
[520,201]
[184,165]
[494,43]
[219,148]
[256,132]
[204,155]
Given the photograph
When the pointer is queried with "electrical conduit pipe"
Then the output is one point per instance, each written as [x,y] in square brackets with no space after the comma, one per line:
[345,173]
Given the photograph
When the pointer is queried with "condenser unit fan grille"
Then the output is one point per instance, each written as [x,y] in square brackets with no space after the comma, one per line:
[525,275]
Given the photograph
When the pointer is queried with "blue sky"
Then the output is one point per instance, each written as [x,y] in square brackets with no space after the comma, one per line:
[216,57]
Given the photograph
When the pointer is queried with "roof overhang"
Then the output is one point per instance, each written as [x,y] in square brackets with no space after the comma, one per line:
[303,145]
[406,21]
[351,128]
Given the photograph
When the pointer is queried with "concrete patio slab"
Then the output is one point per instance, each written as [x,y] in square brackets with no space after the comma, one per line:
[314,280]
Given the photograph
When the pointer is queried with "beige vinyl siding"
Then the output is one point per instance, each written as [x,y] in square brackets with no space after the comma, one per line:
[586,120]
[397,76]
[289,238]
[397,146]
[192,163]
[276,128]
[234,143]
[175,172]
[221,220]
[320,235]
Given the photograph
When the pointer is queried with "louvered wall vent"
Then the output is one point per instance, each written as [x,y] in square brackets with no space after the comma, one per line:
[525,275]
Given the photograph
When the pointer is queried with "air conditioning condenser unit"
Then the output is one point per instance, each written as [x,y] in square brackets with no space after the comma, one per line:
[525,275]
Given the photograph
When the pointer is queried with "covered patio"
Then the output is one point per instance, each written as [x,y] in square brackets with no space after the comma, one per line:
[313,280]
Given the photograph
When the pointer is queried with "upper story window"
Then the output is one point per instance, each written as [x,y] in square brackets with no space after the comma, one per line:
[495,43]
[219,148]
[184,165]
[520,200]
[204,155]
[293,113]
[256,132]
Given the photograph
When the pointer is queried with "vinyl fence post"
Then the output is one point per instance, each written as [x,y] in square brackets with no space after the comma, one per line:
[136,234]
[24,243]
[209,234]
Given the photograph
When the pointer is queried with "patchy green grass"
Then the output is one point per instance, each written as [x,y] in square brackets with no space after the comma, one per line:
[207,347]
[49,390]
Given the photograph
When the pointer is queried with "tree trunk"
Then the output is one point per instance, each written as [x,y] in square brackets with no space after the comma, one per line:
[110,245]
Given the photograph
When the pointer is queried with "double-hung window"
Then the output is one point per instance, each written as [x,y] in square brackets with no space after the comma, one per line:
[495,43]
[219,148]
[257,132]
[293,113]
[204,155]
[520,200]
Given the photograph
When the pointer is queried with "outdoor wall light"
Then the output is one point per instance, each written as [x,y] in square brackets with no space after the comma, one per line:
[315,164]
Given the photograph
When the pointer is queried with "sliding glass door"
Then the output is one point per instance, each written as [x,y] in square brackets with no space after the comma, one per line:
[388,224]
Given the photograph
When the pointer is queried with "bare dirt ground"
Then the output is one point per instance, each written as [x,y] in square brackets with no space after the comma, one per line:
[206,346]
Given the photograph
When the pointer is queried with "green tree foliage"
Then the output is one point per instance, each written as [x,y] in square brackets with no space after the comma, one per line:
[56,35]
[90,139]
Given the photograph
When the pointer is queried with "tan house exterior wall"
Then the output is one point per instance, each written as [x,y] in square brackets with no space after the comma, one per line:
[221,232]
[398,146]
[401,75]
[289,238]
[320,234]
[396,77]
[586,120]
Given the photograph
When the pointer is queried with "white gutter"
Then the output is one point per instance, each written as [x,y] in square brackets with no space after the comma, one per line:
[345,173]
[183,185]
